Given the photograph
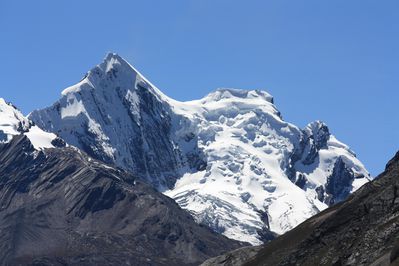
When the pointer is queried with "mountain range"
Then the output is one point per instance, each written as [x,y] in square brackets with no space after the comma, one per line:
[229,159]
[117,173]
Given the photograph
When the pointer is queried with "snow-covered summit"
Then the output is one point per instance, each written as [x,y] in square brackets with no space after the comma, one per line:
[13,122]
[229,158]
[263,174]
[114,68]
[117,116]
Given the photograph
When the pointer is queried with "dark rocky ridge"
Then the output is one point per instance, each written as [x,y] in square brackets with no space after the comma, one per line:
[59,207]
[362,230]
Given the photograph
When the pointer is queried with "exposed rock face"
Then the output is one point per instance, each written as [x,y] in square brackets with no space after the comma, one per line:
[339,177]
[338,182]
[316,138]
[362,230]
[229,158]
[60,207]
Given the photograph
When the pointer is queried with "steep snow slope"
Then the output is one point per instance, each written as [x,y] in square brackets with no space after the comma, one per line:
[229,158]
[12,122]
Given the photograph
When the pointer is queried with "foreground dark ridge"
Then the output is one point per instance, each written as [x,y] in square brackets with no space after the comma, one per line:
[59,207]
[363,230]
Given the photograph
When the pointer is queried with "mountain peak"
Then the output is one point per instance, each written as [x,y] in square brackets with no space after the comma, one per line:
[113,56]
[315,127]
[12,122]
[113,60]
[319,132]
[112,67]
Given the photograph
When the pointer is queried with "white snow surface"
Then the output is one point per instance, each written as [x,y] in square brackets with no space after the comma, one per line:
[39,138]
[13,122]
[248,148]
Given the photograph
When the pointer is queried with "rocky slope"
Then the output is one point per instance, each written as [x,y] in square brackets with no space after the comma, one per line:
[58,206]
[362,230]
[229,158]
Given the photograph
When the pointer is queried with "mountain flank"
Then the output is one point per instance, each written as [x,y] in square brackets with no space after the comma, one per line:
[362,230]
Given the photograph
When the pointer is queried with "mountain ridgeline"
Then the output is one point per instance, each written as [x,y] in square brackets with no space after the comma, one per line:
[229,158]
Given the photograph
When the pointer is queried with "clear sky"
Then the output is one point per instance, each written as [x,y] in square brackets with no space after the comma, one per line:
[336,61]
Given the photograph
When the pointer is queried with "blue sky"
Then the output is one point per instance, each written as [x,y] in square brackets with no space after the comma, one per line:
[336,61]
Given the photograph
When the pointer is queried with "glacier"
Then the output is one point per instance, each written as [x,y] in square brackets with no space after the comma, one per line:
[229,159]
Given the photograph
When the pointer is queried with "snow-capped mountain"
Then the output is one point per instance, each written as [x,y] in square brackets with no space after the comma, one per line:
[117,116]
[13,122]
[229,158]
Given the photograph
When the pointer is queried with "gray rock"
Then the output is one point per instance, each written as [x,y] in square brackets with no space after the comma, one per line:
[339,183]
